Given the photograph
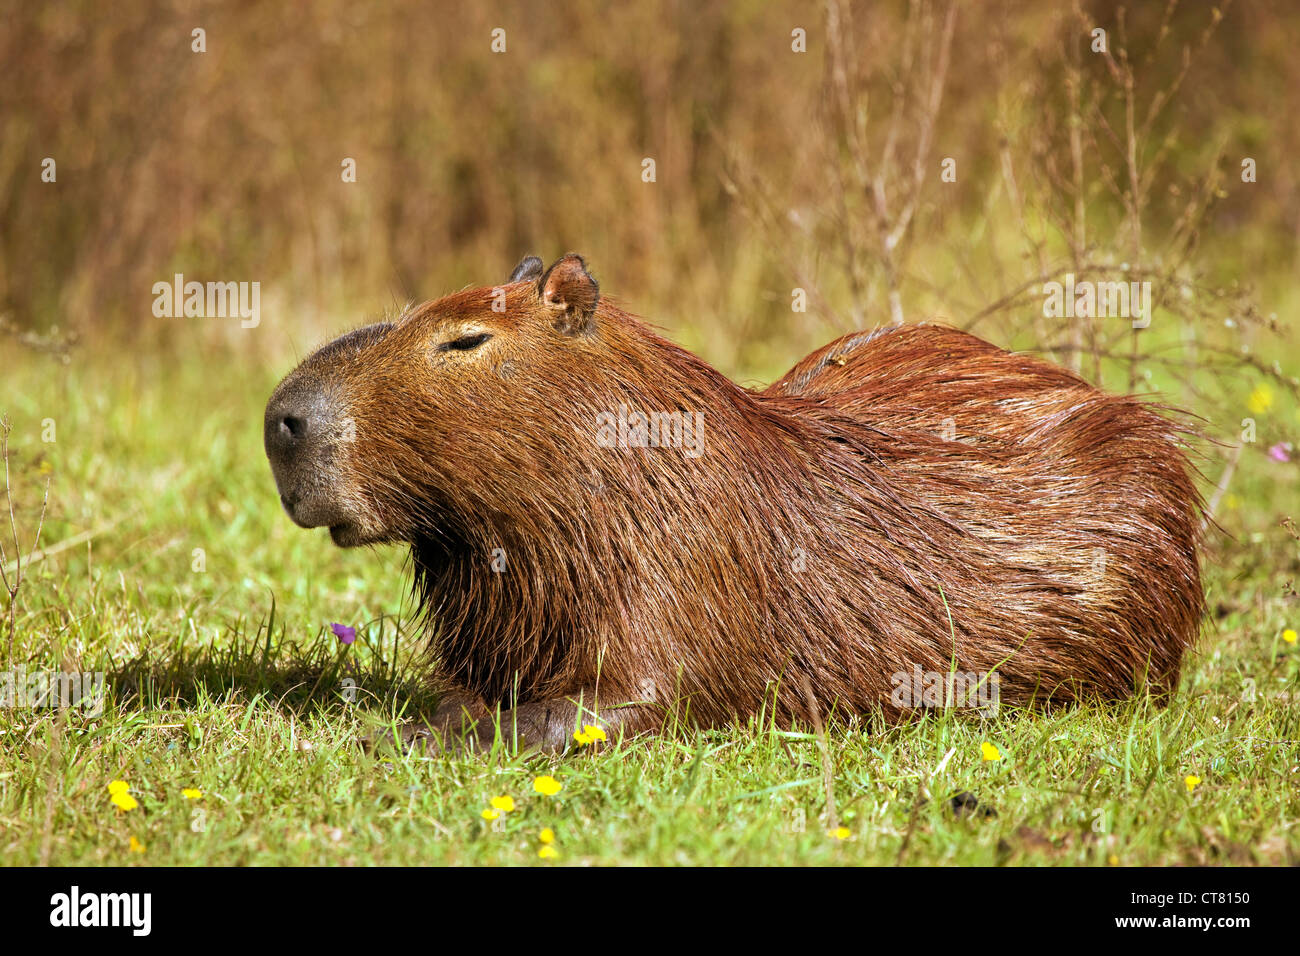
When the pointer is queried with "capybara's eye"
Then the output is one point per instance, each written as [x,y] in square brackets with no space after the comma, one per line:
[465,342]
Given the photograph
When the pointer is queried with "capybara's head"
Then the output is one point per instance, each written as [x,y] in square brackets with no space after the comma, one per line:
[399,430]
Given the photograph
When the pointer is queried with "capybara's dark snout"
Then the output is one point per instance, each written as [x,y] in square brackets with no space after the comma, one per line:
[300,431]
[292,422]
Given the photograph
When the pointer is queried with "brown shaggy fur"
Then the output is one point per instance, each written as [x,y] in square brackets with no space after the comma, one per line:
[911,496]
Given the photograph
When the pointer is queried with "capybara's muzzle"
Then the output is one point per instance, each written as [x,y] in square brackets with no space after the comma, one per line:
[302,432]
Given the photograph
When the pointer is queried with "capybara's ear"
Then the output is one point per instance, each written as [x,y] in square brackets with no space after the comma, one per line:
[530,267]
[571,293]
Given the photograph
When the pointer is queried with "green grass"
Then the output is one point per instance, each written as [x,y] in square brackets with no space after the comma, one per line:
[227,680]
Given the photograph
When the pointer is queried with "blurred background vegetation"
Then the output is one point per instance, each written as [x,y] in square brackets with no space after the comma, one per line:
[775,168]
[226,164]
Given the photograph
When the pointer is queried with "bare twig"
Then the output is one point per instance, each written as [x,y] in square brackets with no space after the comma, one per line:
[40,554]
[1212,507]
[13,580]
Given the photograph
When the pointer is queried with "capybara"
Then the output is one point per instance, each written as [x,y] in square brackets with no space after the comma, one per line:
[606,530]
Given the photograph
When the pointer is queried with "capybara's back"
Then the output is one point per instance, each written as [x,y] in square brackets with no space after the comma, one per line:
[1065,520]
[605,528]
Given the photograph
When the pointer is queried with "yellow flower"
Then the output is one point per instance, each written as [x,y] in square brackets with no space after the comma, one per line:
[839,833]
[1261,399]
[118,793]
[548,852]
[547,786]
[589,734]
[135,846]
[189,793]
[990,752]
[504,804]
[547,835]
[1113,860]
[490,814]
[1289,635]
[1191,782]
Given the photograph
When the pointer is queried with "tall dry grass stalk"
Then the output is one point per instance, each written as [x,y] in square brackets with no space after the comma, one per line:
[12,570]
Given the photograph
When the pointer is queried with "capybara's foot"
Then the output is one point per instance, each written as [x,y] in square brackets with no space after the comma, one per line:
[427,739]
[461,722]
[477,737]
[552,726]
[432,738]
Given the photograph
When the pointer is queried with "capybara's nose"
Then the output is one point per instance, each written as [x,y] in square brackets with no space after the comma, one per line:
[291,428]
[294,422]
[288,428]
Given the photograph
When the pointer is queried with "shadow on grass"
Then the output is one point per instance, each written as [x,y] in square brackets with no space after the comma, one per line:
[322,676]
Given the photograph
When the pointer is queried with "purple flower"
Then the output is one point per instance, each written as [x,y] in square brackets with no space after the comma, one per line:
[344,633]
[1281,451]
